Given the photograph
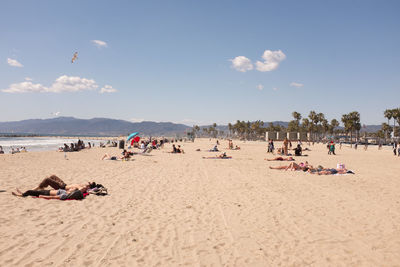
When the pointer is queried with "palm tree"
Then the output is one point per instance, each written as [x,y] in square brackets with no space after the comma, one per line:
[294,125]
[325,126]
[347,126]
[389,115]
[352,123]
[313,121]
[386,128]
[334,124]
[196,129]
[296,116]
[205,130]
[320,118]
[396,117]
[305,125]
[230,128]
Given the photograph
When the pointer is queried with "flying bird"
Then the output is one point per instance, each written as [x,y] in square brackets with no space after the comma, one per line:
[75,57]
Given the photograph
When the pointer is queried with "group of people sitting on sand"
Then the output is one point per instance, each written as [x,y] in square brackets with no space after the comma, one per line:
[75,146]
[177,149]
[61,190]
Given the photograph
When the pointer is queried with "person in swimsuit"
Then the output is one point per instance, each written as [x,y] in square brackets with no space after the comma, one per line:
[125,156]
[332,171]
[293,167]
[56,183]
[51,194]
[281,159]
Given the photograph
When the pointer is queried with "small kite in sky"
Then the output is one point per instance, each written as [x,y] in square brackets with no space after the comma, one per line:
[75,57]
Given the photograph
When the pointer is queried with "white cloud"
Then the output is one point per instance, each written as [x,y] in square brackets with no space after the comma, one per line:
[260,87]
[99,43]
[241,64]
[136,120]
[107,89]
[14,63]
[62,84]
[275,88]
[294,84]
[271,60]
[25,87]
[72,84]
[28,79]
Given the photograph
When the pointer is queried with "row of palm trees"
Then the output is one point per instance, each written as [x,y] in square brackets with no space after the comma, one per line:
[315,124]
[391,114]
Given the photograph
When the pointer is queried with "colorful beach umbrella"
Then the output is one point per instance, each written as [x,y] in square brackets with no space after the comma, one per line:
[131,136]
[135,139]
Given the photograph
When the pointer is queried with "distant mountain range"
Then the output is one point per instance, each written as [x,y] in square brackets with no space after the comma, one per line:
[70,126]
[92,127]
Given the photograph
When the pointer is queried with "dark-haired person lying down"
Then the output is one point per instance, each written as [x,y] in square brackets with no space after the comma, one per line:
[332,171]
[56,183]
[281,159]
[53,194]
[222,156]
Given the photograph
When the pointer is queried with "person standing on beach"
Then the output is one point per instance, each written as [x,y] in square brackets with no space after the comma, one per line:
[332,148]
[285,146]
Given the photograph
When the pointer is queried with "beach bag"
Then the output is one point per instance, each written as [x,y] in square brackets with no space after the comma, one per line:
[99,191]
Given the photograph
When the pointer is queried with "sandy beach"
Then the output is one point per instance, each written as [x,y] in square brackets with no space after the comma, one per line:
[179,209]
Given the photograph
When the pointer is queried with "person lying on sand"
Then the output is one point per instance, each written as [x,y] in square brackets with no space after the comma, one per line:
[222,156]
[332,171]
[56,183]
[125,156]
[54,194]
[294,167]
[281,159]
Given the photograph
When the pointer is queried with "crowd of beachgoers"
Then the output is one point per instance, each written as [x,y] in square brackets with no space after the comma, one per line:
[14,150]
[287,152]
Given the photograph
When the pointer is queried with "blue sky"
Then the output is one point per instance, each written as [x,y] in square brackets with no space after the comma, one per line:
[198,62]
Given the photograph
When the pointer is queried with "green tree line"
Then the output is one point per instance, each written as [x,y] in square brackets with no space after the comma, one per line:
[315,124]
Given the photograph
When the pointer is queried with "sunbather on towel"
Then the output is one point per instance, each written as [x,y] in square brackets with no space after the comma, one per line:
[222,156]
[53,194]
[294,167]
[281,159]
[333,171]
[125,155]
[56,183]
